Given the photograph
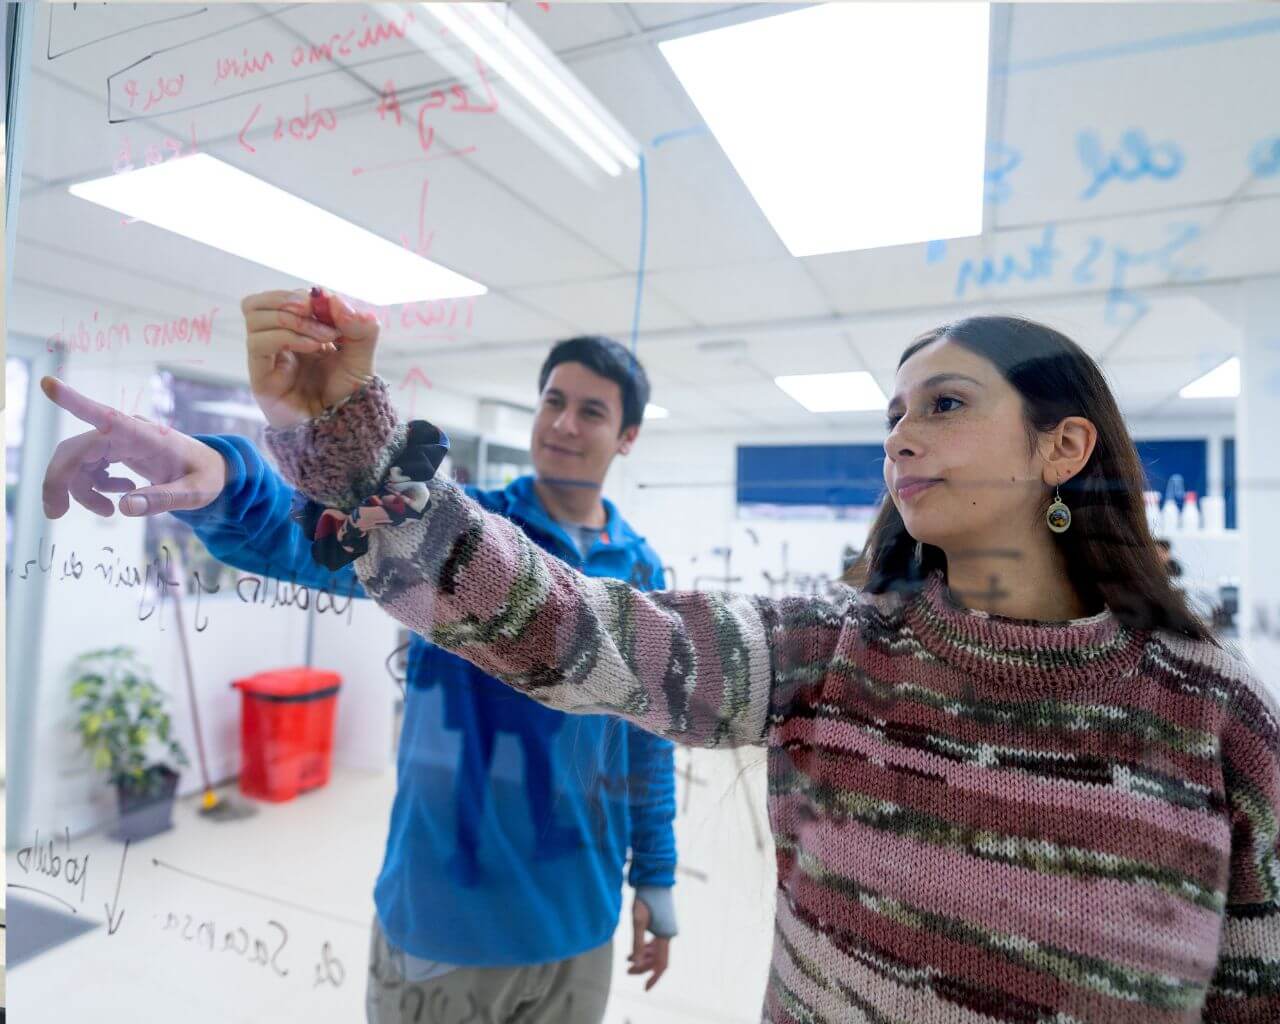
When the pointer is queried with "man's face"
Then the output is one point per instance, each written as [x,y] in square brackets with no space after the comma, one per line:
[577,430]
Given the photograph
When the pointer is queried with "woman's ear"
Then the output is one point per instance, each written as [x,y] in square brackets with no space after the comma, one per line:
[1066,449]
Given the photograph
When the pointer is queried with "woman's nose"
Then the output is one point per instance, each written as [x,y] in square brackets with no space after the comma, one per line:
[899,443]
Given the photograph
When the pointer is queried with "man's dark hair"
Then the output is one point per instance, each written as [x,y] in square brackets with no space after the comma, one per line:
[607,358]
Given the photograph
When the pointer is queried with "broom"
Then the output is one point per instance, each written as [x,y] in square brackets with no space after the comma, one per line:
[211,805]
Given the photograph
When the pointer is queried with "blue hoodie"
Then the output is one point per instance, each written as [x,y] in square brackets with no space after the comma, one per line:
[512,821]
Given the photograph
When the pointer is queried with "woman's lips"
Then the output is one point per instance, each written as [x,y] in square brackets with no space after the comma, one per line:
[910,490]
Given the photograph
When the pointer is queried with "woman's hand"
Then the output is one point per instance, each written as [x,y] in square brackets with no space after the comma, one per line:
[299,366]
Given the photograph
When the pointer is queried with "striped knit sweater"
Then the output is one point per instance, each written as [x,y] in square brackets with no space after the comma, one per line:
[977,819]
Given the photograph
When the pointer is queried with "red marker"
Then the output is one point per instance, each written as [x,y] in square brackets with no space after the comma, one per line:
[320,307]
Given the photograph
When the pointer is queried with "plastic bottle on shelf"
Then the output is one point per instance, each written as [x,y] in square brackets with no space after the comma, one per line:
[1191,512]
[1151,499]
[1169,516]
[1213,509]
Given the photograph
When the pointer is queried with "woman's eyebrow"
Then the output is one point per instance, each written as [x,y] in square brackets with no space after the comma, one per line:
[939,378]
[934,381]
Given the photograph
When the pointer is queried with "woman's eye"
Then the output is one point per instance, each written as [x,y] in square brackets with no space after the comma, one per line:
[940,404]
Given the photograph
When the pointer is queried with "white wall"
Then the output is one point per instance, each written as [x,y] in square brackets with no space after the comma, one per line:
[240,639]
[679,492]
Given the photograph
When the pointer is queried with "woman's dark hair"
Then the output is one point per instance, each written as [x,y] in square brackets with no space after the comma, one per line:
[607,358]
[1109,552]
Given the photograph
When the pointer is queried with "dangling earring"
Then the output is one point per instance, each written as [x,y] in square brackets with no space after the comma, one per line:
[1058,515]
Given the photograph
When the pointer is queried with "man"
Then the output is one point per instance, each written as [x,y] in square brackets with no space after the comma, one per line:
[501,884]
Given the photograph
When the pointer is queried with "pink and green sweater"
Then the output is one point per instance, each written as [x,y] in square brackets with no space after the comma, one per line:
[977,819]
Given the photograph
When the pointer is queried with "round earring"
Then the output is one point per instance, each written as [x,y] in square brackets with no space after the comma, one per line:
[1058,515]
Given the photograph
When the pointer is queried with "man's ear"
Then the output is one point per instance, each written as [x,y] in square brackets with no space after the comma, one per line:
[1066,449]
[628,438]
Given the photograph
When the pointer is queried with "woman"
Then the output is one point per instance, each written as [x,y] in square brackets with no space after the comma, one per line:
[1011,777]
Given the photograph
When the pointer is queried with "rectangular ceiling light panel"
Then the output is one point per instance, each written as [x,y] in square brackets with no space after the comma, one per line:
[853,125]
[856,391]
[209,201]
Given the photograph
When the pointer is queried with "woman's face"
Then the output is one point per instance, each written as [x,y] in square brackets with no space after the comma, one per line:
[960,467]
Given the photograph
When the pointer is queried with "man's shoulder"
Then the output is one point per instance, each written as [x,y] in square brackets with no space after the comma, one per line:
[645,565]
[498,500]
[639,545]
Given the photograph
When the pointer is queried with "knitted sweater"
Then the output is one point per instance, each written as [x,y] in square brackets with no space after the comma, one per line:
[977,819]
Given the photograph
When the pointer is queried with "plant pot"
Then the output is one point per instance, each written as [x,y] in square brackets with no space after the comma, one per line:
[147,812]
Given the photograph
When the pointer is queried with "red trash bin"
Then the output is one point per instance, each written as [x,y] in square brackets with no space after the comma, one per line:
[286,731]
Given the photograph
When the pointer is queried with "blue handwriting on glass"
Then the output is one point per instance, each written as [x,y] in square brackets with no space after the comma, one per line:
[1002,161]
[1100,261]
[1133,159]
[1037,263]
[1264,159]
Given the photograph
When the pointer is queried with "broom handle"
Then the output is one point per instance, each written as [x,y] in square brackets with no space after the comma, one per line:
[186,665]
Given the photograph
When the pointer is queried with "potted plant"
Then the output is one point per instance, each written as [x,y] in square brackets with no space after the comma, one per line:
[122,722]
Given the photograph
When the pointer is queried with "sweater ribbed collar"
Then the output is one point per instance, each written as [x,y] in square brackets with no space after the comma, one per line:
[1048,656]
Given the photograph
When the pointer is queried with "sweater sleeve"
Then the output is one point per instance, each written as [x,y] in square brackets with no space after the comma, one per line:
[699,668]
[250,525]
[1246,985]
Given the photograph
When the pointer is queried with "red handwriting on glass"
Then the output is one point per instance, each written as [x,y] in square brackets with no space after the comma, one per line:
[455,99]
[135,410]
[413,380]
[425,237]
[162,89]
[308,125]
[183,329]
[389,103]
[341,43]
[156,152]
[94,335]
[242,67]
[438,313]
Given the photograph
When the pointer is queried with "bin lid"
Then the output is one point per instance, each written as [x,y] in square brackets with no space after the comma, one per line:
[289,682]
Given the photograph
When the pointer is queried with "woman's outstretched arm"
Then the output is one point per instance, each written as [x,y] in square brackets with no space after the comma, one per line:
[701,669]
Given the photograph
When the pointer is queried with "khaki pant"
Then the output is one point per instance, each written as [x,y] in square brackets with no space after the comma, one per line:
[572,991]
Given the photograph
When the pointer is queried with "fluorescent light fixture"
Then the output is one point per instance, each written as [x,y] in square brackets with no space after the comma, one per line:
[834,392]
[499,39]
[655,412]
[853,125]
[1223,381]
[211,202]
